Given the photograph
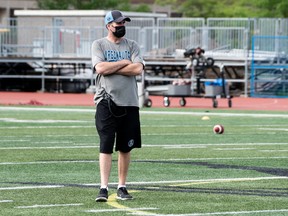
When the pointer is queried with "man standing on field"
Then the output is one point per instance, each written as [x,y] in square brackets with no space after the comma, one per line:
[117,61]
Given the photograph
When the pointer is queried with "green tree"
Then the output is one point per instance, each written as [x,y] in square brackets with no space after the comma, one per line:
[123,5]
[229,8]
[82,4]
[274,8]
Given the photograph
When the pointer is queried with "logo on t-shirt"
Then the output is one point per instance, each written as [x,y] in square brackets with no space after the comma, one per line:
[114,55]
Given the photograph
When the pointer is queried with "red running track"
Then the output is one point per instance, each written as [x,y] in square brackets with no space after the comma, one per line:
[65,99]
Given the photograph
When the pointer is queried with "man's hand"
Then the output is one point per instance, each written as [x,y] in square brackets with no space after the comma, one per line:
[132,69]
[106,68]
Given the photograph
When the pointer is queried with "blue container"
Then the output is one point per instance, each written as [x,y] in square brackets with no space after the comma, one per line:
[217,82]
[215,88]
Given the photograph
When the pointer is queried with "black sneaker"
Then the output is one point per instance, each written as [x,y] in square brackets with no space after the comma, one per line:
[102,196]
[122,194]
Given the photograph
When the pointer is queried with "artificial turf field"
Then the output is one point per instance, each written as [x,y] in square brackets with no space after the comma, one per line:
[49,163]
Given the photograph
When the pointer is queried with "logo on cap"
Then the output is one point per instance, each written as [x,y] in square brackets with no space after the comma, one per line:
[115,16]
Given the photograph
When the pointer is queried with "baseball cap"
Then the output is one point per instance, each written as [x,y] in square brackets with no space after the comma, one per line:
[115,16]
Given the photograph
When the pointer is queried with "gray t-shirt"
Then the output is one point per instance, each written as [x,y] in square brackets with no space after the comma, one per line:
[121,89]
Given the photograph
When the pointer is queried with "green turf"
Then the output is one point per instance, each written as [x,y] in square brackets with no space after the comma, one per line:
[49,163]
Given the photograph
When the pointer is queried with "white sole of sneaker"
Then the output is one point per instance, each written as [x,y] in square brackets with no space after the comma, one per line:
[101,199]
[120,198]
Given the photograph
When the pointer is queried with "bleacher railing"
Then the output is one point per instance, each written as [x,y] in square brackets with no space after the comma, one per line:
[67,37]
[269,74]
[72,37]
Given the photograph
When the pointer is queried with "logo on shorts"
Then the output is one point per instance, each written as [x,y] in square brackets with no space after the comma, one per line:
[131,143]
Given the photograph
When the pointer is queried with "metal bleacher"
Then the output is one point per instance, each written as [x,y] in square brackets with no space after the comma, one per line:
[53,53]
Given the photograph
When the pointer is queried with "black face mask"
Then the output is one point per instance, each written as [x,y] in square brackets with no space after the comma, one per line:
[120,31]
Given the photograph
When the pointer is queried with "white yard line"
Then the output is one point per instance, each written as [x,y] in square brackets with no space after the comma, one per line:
[159,160]
[273,129]
[144,145]
[232,149]
[31,187]
[273,150]
[48,147]
[214,144]
[224,181]
[46,162]
[199,181]
[214,213]
[6,201]
[224,114]
[49,205]
[185,147]
[118,210]
[14,120]
[44,127]
[49,109]
[228,158]
[3,140]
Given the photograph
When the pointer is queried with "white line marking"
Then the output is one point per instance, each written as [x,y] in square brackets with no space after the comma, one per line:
[184,147]
[48,147]
[217,181]
[54,135]
[40,121]
[228,158]
[47,162]
[215,144]
[260,127]
[231,158]
[215,213]
[44,127]
[173,134]
[49,206]
[31,187]
[6,108]
[14,140]
[117,210]
[6,201]
[258,115]
[197,181]
[151,183]
[232,149]
[150,126]
[144,145]
[273,129]
[170,159]
[274,150]
[49,109]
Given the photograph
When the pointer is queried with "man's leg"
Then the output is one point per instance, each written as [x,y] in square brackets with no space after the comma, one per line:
[123,166]
[105,162]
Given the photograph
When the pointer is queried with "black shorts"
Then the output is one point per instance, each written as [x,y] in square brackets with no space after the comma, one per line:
[122,123]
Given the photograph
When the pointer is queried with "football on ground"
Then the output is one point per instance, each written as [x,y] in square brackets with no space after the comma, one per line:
[218,129]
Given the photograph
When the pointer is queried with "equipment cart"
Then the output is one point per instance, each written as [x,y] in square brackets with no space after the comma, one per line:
[197,66]
[182,101]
